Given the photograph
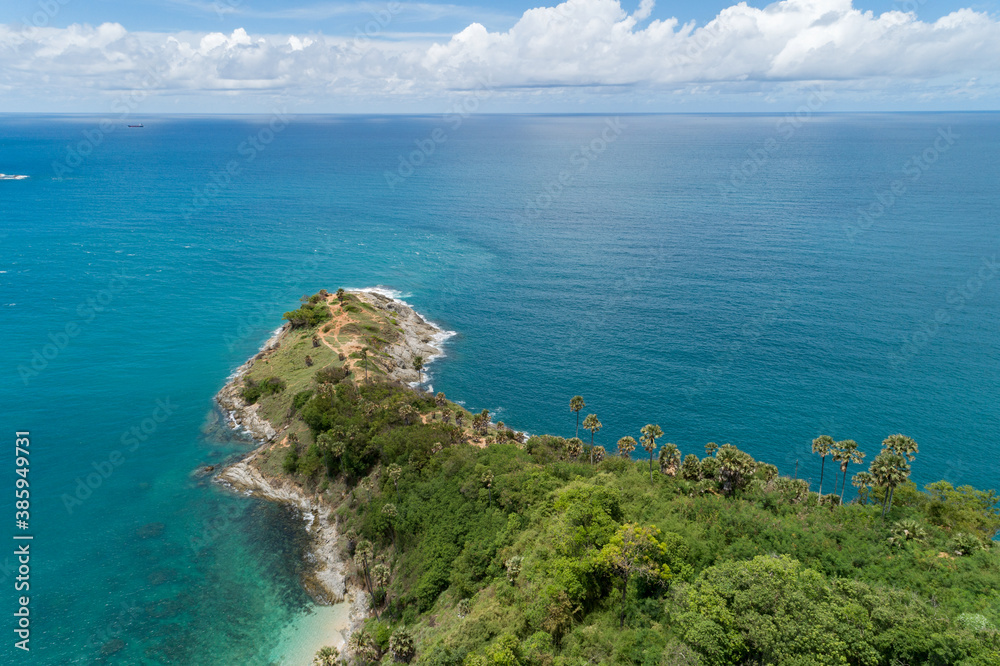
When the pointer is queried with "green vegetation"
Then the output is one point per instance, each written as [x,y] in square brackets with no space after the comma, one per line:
[308,315]
[253,390]
[528,554]
[549,552]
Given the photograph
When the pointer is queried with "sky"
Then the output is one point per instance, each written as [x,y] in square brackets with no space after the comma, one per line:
[389,56]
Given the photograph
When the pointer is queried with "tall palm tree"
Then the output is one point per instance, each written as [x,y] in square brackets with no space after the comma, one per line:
[849,453]
[340,295]
[735,468]
[598,453]
[650,432]
[839,455]
[576,404]
[364,359]
[901,445]
[711,448]
[626,445]
[670,459]
[395,472]
[823,445]
[889,470]
[592,424]
[418,365]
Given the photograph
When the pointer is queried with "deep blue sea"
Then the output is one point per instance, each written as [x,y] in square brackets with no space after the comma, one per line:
[751,279]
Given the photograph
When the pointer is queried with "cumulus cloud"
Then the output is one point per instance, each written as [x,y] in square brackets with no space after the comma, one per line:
[588,43]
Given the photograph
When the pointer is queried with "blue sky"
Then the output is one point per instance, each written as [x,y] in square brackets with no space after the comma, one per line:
[584,55]
[341,17]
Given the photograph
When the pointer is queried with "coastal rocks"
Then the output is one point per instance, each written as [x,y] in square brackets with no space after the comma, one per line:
[418,337]
[326,582]
[230,398]
[203,471]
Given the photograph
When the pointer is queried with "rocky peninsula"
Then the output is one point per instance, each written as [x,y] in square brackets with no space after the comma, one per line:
[368,334]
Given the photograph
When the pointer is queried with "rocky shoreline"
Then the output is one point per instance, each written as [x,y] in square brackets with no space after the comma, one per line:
[326,581]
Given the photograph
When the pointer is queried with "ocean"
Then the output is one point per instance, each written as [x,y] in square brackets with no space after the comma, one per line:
[753,279]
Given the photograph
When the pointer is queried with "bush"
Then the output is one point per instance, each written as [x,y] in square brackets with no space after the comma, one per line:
[301,398]
[330,375]
[308,315]
[291,463]
[253,391]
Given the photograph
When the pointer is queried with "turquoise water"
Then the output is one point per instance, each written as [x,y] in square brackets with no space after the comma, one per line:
[649,274]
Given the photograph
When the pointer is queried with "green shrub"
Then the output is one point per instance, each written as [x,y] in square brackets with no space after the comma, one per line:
[308,315]
[330,375]
[291,462]
[253,390]
[301,398]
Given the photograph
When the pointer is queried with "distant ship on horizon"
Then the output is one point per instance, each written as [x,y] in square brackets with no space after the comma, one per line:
[139,125]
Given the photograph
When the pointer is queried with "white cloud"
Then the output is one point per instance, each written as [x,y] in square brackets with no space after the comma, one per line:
[593,43]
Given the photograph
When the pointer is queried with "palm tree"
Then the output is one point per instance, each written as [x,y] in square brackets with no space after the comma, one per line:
[401,646]
[848,454]
[576,404]
[670,459]
[650,432]
[823,445]
[839,455]
[626,445]
[735,468]
[440,400]
[863,481]
[597,454]
[418,365]
[364,359]
[340,295]
[691,467]
[395,472]
[906,530]
[901,445]
[574,447]
[390,513]
[381,575]
[889,470]
[327,656]
[592,424]
[711,448]
[363,557]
